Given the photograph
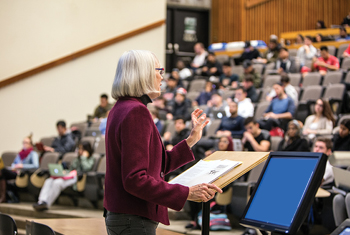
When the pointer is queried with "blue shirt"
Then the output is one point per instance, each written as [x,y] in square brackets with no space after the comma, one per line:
[103,126]
[30,162]
[279,106]
[233,124]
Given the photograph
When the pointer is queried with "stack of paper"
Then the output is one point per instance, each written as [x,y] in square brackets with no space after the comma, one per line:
[205,172]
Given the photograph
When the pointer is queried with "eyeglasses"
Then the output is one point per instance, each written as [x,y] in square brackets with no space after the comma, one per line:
[161,70]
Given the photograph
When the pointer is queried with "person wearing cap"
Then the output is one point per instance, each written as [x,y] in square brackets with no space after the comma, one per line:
[341,140]
[280,110]
[325,62]
[228,78]
[285,64]
[211,66]
[271,54]
[292,140]
[248,84]
[136,195]
[181,106]
[249,70]
[306,52]
[288,88]
[249,52]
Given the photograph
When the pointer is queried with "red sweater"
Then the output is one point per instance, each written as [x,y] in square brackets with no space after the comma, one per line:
[137,162]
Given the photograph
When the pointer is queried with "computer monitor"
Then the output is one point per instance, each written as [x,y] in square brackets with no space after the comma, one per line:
[285,191]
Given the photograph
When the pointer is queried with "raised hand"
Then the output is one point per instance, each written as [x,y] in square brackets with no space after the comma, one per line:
[198,123]
[203,192]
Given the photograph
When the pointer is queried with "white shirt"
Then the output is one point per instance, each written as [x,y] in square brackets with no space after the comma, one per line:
[303,56]
[328,176]
[290,91]
[199,60]
[185,73]
[245,108]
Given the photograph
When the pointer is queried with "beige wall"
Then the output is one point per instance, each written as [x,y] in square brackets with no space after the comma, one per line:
[71,91]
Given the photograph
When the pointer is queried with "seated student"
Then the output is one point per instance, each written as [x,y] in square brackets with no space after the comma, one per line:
[155,116]
[325,62]
[225,144]
[181,71]
[288,88]
[101,110]
[271,54]
[211,67]
[232,126]
[319,38]
[341,140]
[324,145]
[103,125]
[245,105]
[249,52]
[320,24]
[182,106]
[181,133]
[199,60]
[171,87]
[299,40]
[248,85]
[341,208]
[306,52]
[320,123]
[250,71]
[346,21]
[343,35]
[280,110]
[255,139]
[216,104]
[292,140]
[27,158]
[53,187]
[64,142]
[205,95]
[228,78]
[284,63]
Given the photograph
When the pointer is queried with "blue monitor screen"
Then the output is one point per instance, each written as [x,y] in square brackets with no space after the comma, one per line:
[346,231]
[281,190]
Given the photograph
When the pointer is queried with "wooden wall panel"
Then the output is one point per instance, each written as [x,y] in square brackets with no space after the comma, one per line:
[233,21]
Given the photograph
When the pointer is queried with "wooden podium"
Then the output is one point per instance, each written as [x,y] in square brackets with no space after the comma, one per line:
[249,161]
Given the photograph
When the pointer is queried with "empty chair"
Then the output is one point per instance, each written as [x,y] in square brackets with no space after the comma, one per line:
[90,139]
[275,140]
[8,158]
[34,228]
[47,140]
[260,109]
[192,95]
[311,93]
[311,79]
[335,94]
[7,225]
[295,79]
[331,50]
[341,49]
[345,64]
[197,85]
[270,80]
[239,70]
[222,58]
[258,68]
[332,78]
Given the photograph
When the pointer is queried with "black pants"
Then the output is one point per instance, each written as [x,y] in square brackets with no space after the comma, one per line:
[7,174]
[122,224]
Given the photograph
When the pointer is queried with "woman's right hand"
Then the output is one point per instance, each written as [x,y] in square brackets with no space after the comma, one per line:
[203,192]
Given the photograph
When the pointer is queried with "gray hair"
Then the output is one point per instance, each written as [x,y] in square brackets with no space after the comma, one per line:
[135,75]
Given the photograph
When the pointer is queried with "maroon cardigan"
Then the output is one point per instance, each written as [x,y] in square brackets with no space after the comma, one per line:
[137,162]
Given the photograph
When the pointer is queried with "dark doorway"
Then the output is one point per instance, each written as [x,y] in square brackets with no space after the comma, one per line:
[185,27]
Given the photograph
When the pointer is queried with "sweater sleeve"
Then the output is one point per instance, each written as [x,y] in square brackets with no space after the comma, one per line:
[327,130]
[136,159]
[32,162]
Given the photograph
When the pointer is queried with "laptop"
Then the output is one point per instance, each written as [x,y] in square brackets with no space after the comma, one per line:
[219,114]
[56,170]
[342,158]
[341,178]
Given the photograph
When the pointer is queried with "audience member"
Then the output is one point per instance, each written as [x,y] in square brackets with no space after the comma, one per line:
[324,145]
[249,70]
[346,53]
[341,207]
[205,95]
[182,70]
[228,78]
[216,104]
[201,54]
[248,85]
[233,125]
[182,106]
[181,133]
[280,110]
[285,64]
[64,142]
[326,62]
[161,104]
[53,186]
[155,116]
[319,38]
[288,88]
[171,87]
[320,25]
[343,35]
[299,40]
[341,140]
[245,106]
[255,139]
[26,159]
[346,21]
[292,140]
[307,52]
[101,110]
[320,123]
[249,52]
[211,66]
[225,144]
[103,125]
[271,54]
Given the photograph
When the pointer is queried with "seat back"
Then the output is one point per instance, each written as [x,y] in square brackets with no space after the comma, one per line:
[275,140]
[47,140]
[332,78]
[293,52]
[90,139]
[239,70]
[222,58]
[347,78]
[311,93]
[81,126]
[101,146]
[270,80]
[345,64]
[311,79]
[97,158]
[331,50]
[197,85]
[34,228]
[268,68]
[341,49]
[228,94]
[192,95]
[47,158]
[7,225]
[8,158]
[259,68]
[214,125]
[260,109]
[170,127]
[101,165]
[265,91]
[334,91]
[295,79]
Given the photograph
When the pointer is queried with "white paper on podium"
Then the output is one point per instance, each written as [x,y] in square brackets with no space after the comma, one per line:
[205,172]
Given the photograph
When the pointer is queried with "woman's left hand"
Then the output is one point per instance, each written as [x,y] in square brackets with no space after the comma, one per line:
[198,123]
